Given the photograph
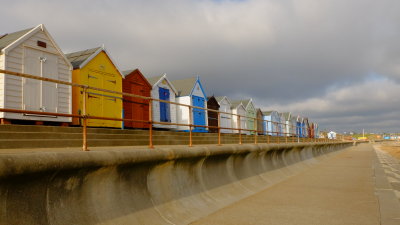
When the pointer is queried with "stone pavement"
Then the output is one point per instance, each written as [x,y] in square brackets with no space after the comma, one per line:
[348,188]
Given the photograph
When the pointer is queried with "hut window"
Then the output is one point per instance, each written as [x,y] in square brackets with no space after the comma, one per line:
[41,44]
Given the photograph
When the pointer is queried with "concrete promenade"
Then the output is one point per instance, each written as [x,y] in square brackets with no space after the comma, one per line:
[349,188]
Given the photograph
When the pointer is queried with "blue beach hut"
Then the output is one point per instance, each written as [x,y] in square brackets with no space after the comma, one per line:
[271,123]
[191,92]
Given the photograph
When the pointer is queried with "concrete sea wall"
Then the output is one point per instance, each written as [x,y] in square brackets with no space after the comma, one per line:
[175,185]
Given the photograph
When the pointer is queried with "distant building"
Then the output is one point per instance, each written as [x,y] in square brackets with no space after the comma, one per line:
[332,135]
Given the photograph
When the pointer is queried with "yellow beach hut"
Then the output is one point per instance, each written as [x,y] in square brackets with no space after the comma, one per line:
[94,67]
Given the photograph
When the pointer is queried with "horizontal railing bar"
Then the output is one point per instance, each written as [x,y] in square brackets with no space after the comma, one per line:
[282,126]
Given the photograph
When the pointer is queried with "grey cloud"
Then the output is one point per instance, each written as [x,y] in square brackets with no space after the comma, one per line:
[369,105]
[279,52]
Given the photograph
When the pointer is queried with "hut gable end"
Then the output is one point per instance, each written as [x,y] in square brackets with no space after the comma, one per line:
[98,57]
[136,76]
[36,38]
[198,90]
[162,81]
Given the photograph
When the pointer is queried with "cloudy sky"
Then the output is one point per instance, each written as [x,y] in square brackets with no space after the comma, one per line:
[334,61]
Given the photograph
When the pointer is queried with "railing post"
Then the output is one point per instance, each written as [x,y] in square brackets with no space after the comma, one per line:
[278,133]
[255,130]
[219,128]
[298,133]
[151,123]
[190,126]
[286,133]
[293,134]
[84,133]
[240,129]
[267,131]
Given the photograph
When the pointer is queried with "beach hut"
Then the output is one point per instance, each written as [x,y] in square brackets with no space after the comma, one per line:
[311,130]
[94,67]
[135,108]
[305,127]
[299,127]
[286,123]
[316,130]
[33,51]
[281,124]
[271,123]
[293,125]
[332,135]
[191,92]
[251,114]
[239,110]
[225,115]
[260,126]
[163,89]
[212,103]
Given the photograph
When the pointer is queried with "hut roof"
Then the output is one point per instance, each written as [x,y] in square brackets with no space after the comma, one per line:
[79,57]
[154,80]
[267,113]
[184,86]
[7,39]
[127,72]
[236,103]
[219,98]
[286,115]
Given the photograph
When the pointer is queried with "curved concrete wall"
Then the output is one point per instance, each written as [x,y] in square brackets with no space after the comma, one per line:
[165,186]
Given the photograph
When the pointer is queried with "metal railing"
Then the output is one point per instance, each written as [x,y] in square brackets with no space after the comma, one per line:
[277,132]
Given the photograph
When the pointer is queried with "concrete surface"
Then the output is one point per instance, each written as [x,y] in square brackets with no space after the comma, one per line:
[168,185]
[339,190]
[387,173]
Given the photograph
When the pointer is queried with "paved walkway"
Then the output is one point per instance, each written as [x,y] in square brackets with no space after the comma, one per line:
[340,190]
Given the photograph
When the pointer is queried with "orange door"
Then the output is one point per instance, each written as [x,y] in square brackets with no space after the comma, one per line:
[140,108]
[128,101]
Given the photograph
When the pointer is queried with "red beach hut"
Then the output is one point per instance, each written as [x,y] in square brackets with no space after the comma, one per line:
[136,108]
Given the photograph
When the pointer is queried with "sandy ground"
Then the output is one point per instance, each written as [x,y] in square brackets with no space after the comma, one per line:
[393,148]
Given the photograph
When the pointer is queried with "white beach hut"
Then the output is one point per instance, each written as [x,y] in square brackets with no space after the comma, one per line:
[225,119]
[163,89]
[34,51]
[286,123]
[238,109]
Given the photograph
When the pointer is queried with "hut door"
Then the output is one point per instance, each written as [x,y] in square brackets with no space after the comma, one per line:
[139,109]
[250,121]
[31,88]
[49,90]
[225,118]
[110,104]
[95,100]
[40,95]
[164,107]
[198,114]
